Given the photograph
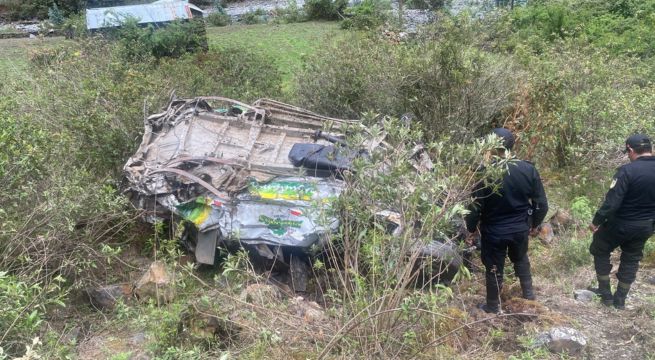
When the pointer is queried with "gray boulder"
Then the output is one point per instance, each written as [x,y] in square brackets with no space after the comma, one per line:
[583,295]
[562,340]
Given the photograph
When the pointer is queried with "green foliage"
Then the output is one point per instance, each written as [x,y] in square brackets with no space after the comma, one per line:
[287,47]
[39,9]
[231,71]
[74,26]
[61,211]
[619,26]
[375,271]
[366,15]
[290,14]
[452,88]
[325,9]
[55,16]
[219,19]
[22,310]
[257,16]
[428,4]
[137,43]
[571,253]
[581,209]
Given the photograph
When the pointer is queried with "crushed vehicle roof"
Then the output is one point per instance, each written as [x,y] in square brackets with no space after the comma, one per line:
[264,173]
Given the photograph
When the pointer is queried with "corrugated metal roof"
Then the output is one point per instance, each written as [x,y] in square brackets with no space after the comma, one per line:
[156,12]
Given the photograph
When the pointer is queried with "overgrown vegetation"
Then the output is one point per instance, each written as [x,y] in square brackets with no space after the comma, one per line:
[60,162]
[571,78]
[325,9]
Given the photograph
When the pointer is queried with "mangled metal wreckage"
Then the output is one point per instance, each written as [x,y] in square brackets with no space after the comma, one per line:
[262,175]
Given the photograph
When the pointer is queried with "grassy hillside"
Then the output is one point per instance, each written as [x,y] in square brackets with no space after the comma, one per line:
[286,45]
[571,78]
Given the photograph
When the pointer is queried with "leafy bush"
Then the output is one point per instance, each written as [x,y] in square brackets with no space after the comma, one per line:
[61,159]
[325,9]
[173,40]
[22,310]
[232,72]
[581,209]
[452,88]
[55,16]
[372,264]
[74,26]
[252,17]
[219,19]
[428,4]
[39,9]
[290,14]
[368,14]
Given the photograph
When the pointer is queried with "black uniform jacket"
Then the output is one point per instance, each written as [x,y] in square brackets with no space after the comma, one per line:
[631,196]
[507,210]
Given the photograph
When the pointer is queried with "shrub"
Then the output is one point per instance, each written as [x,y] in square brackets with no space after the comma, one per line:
[55,16]
[373,276]
[173,40]
[290,14]
[39,9]
[22,310]
[325,9]
[368,14]
[453,88]
[219,19]
[232,72]
[252,17]
[74,26]
[428,4]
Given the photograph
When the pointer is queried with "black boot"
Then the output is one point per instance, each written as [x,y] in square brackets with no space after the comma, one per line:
[619,296]
[490,307]
[604,290]
[527,290]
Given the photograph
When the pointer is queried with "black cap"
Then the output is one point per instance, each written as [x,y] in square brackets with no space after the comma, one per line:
[506,135]
[637,142]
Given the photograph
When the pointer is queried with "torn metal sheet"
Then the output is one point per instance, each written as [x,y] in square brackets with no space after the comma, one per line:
[225,166]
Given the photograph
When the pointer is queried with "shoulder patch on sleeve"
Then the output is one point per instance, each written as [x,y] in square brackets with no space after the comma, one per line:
[613,184]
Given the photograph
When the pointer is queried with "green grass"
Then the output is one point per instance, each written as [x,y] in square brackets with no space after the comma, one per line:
[14,53]
[286,44]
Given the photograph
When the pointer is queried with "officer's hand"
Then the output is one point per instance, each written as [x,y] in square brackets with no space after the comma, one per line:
[535,231]
[593,228]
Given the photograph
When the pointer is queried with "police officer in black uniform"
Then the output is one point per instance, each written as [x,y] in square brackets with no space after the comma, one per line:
[625,220]
[504,222]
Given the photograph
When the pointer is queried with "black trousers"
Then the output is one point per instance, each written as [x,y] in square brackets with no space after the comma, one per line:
[630,237]
[495,248]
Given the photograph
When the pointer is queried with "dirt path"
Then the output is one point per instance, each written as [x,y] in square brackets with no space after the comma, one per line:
[610,333]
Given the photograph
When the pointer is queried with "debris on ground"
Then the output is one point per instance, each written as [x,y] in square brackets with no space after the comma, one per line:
[263,177]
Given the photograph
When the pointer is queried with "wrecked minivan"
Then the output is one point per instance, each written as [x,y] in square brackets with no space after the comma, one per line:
[262,176]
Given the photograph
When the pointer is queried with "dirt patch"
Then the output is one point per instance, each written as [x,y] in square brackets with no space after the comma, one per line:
[611,333]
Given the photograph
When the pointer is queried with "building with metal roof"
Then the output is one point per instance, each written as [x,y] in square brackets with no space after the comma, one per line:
[158,12]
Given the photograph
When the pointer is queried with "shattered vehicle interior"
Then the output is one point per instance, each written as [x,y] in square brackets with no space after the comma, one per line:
[263,176]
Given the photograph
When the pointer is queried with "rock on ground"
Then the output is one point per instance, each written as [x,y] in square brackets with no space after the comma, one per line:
[583,295]
[563,340]
[105,297]
[157,283]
